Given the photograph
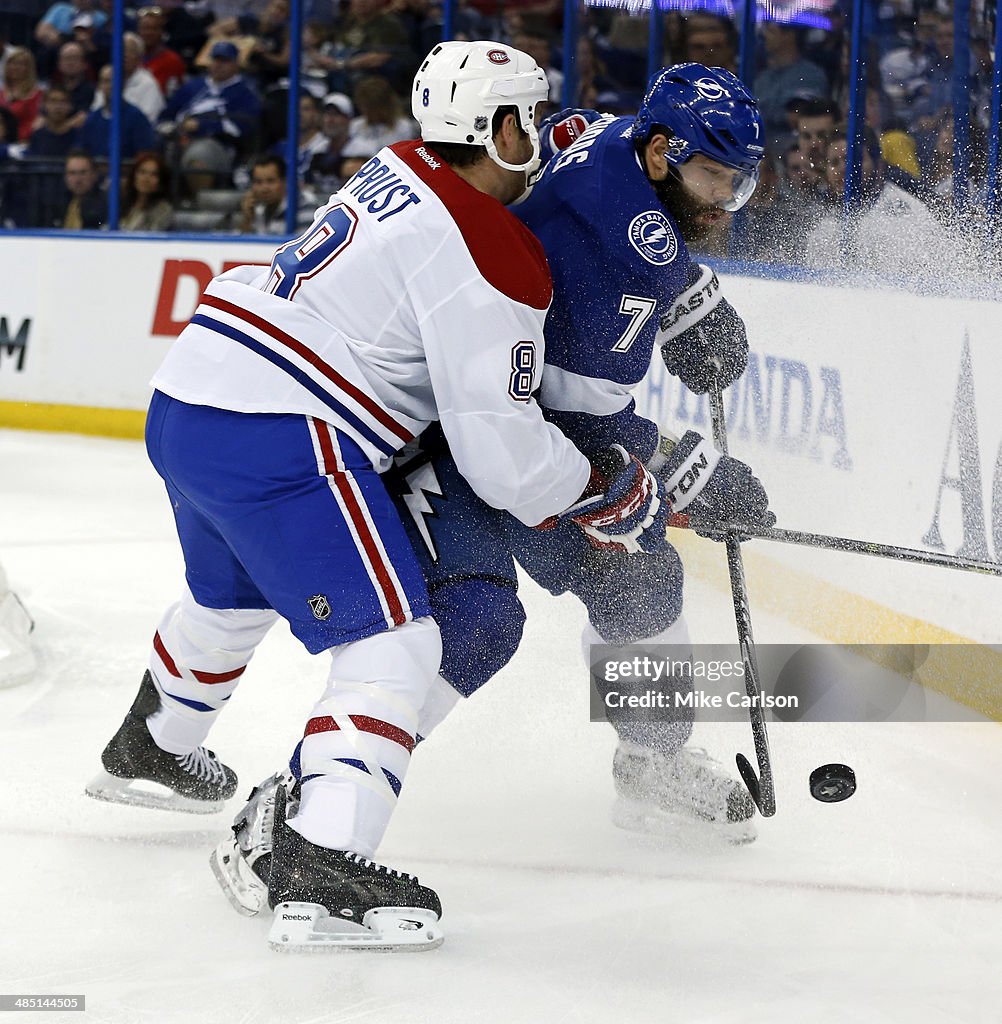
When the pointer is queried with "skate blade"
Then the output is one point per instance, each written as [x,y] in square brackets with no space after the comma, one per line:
[309,928]
[245,891]
[143,793]
[654,820]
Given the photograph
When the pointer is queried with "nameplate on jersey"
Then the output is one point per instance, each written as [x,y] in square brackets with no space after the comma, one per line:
[379,189]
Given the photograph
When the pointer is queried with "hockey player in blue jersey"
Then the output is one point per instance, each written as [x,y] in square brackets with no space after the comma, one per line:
[614,212]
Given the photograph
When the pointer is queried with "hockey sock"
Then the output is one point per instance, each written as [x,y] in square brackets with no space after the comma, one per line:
[357,743]
[198,657]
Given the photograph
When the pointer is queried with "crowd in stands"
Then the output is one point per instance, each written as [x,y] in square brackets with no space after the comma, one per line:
[205,96]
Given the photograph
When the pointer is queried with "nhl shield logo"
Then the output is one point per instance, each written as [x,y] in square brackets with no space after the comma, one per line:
[651,234]
[320,606]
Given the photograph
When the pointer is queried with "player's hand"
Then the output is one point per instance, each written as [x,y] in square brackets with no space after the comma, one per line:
[702,338]
[714,491]
[629,513]
[559,130]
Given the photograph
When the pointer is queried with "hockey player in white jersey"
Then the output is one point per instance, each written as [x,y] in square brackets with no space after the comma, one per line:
[415,296]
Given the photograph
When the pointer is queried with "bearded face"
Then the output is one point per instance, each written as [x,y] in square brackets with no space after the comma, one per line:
[694,216]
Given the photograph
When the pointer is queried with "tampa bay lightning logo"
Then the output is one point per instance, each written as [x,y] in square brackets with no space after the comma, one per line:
[652,236]
[710,89]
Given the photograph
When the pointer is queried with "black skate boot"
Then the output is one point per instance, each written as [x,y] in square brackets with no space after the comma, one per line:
[329,900]
[659,794]
[242,861]
[138,772]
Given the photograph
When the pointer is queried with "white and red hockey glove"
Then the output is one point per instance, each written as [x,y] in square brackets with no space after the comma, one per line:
[629,512]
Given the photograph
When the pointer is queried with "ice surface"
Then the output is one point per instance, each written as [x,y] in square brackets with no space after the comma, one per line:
[886,908]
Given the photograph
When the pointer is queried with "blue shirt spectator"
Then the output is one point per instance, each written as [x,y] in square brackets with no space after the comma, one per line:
[137,132]
[222,105]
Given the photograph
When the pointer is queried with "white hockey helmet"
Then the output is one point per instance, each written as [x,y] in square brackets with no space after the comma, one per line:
[460,85]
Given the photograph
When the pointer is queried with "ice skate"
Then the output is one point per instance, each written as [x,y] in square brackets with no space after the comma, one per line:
[139,773]
[330,900]
[661,795]
[242,861]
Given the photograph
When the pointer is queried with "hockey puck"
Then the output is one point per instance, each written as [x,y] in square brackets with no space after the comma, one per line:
[832,783]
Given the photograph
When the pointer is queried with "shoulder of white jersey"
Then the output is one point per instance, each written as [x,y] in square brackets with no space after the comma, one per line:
[507,255]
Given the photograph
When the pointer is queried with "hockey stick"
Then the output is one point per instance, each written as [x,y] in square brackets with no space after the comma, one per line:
[857,547]
[761,786]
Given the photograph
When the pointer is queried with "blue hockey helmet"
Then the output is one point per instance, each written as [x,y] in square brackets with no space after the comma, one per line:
[706,110]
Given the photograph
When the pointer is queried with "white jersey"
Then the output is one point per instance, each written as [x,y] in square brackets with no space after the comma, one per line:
[412,297]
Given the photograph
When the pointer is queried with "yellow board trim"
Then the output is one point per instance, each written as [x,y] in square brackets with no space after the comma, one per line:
[73,419]
[839,616]
[972,677]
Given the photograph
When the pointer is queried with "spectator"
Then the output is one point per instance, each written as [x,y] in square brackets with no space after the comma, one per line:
[213,118]
[313,144]
[803,179]
[381,120]
[136,131]
[711,41]
[87,207]
[816,120]
[145,204]
[20,93]
[262,211]
[57,22]
[56,27]
[894,231]
[938,181]
[85,35]
[592,74]
[533,39]
[72,74]
[371,39]
[56,135]
[788,213]
[317,57]
[139,86]
[335,123]
[268,58]
[184,29]
[163,63]
[786,74]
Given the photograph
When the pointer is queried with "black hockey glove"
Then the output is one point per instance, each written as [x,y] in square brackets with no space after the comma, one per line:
[713,490]
[701,336]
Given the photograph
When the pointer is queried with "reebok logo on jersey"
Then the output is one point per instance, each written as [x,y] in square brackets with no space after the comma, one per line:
[320,607]
[428,158]
[651,234]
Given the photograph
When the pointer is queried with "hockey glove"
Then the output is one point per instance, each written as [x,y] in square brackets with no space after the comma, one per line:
[629,515]
[701,337]
[559,130]
[713,490]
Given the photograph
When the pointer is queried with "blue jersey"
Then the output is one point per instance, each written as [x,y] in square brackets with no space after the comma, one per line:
[618,262]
